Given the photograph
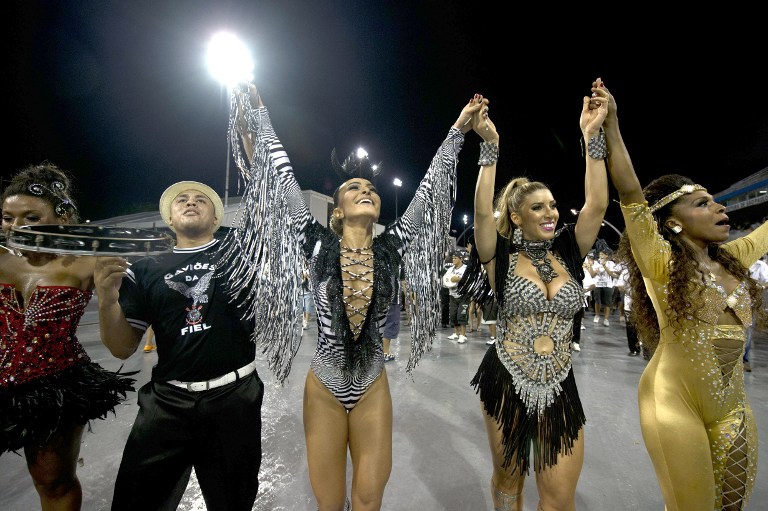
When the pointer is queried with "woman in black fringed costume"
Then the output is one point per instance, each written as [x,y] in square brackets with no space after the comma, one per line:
[49,388]
[525,380]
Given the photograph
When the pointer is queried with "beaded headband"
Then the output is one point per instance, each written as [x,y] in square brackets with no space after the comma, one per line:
[674,195]
[58,190]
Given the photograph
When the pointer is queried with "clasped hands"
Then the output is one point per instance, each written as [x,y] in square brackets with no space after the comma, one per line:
[481,122]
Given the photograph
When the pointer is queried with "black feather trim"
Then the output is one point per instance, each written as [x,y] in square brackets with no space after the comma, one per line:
[551,433]
[33,412]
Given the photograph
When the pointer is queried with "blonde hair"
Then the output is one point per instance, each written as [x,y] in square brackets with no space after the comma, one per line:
[511,199]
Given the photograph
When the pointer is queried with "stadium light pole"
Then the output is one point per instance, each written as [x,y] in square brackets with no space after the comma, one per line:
[465,219]
[397,184]
[230,63]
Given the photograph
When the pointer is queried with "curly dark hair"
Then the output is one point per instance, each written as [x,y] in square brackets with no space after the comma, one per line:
[685,292]
[47,182]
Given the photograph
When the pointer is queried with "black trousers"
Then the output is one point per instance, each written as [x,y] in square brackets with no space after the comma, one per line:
[632,341]
[445,299]
[216,431]
[577,319]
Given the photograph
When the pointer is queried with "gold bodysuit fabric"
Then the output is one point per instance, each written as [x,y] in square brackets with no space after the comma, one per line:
[696,421]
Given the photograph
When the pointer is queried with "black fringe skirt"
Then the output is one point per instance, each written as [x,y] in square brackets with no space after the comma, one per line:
[550,434]
[32,412]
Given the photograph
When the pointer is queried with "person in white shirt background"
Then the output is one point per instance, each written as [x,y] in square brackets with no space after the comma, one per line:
[458,305]
[603,273]
[588,283]
[622,283]
[759,272]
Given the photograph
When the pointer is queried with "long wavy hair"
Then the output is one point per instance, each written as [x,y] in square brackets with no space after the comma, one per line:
[510,200]
[685,281]
[48,182]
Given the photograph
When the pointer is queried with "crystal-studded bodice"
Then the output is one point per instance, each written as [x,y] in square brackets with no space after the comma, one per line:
[524,298]
[526,318]
[715,300]
[40,340]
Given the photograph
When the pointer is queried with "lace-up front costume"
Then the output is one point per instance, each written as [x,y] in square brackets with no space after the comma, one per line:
[46,378]
[697,424]
[350,316]
[530,392]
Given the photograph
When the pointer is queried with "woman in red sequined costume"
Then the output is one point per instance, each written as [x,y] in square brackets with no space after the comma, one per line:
[49,388]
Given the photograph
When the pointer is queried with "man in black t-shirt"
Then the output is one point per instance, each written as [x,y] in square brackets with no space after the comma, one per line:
[202,407]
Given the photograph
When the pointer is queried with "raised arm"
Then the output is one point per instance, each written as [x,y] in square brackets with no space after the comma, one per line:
[423,230]
[485,221]
[274,234]
[620,166]
[595,178]
[435,195]
[254,101]
[271,186]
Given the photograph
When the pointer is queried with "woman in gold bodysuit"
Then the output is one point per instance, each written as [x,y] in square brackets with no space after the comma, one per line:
[692,302]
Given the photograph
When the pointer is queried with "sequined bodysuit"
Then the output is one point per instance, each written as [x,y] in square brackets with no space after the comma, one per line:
[352,289]
[527,316]
[526,381]
[696,421]
[40,340]
[47,380]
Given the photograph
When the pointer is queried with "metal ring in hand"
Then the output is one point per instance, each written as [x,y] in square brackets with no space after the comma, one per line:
[89,239]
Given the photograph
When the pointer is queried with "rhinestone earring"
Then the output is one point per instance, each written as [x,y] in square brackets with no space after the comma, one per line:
[677,229]
[517,236]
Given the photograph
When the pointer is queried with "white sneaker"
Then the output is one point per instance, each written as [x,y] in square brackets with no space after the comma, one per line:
[583,327]
[576,347]
[597,319]
[491,341]
[454,335]
[606,322]
[303,325]
[462,339]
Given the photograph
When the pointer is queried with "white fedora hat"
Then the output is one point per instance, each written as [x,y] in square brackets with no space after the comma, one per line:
[170,193]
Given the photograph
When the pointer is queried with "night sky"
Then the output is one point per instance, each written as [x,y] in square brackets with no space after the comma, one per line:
[117,92]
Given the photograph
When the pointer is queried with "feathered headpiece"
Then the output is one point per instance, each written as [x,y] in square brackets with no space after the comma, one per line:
[357,164]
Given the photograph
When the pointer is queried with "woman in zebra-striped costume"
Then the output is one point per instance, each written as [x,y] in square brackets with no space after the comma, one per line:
[347,402]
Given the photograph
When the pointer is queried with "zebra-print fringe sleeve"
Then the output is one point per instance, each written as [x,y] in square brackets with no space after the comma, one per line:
[424,230]
[262,253]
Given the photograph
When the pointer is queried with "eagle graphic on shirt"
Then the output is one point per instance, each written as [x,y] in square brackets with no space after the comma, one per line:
[197,293]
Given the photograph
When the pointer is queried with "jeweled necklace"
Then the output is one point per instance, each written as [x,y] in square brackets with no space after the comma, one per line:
[536,250]
[362,259]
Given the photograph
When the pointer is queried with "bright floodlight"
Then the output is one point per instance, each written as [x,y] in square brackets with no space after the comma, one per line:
[229,60]
[361,153]
[397,182]
[465,219]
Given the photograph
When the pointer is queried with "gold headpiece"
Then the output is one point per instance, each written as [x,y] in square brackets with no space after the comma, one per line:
[674,195]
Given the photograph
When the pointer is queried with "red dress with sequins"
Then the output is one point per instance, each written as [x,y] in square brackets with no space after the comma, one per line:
[46,377]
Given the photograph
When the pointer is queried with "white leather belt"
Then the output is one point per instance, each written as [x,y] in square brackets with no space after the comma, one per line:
[197,386]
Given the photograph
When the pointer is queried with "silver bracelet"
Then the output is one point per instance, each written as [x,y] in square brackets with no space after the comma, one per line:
[489,153]
[597,148]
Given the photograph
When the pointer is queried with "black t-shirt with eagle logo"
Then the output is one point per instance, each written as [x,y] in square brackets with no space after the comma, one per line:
[199,334]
